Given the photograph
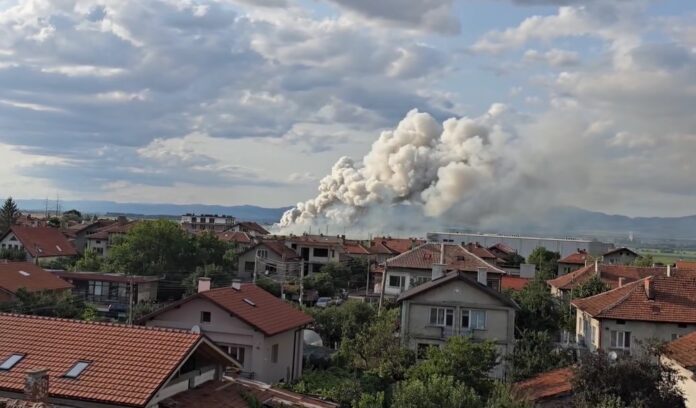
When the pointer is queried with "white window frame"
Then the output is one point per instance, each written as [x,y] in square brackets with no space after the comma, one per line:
[440,315]
[402,281]
[477,319]
[619,338]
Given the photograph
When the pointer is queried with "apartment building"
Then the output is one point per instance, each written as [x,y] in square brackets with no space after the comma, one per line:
[206,222]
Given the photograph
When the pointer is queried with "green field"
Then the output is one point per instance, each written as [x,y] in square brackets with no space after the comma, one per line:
[669,257]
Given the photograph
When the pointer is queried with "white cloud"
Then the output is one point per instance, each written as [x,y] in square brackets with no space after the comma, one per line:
[553,57]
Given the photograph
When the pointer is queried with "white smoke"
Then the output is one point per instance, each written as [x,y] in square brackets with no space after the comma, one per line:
[442,169]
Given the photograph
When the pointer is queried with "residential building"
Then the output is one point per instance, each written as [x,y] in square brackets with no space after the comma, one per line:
[39,243]
[501,250]
[206,222]
[383,248]
[611,275]
[414,267]
[656,307]
[686,265]
[28,276]
[356,250]
[74,363]
[77,233]
[524,245]
[316,250]
[111,292]
[573,262]
[252,228]
[620,256]
[680,354]
[259,330]
[101,240]
[266,257]
[456,304]
[241,240]
[515,283]
[552,389]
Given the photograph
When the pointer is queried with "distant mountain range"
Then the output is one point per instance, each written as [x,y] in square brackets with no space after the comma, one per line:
[242,212]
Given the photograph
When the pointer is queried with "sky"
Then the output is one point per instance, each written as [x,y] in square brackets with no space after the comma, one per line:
[253,101]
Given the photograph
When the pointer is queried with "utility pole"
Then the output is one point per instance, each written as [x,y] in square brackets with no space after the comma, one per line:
[130,301]
[384,284]
[301,281]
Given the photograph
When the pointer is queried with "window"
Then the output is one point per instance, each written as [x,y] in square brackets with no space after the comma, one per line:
[237,353]
[11,361]
[205,317]
[620,322]
[477,319]
[465,319]
[493,284]
[249,266]
[262,253]
[77,369]
[397,281]
[274,354]
[419,280]
[96,288]
[682,325]
[440,316]
[321,252]
[620,339]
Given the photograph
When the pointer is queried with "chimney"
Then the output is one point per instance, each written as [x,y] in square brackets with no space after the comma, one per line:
[649,288]
[669,271]
[482,276]
[36,385]
[438,271]
[442,253]
[236,284]
[596,268]
[203,284]
[622,281]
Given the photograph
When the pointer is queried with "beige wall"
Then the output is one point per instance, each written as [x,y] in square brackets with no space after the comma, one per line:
[620,258]
[250,256]
[227,330]
[460,296]
[687,382]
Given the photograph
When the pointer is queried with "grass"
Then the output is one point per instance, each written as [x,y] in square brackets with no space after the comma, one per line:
[669,257]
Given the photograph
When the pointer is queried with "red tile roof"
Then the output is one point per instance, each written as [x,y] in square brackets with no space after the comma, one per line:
[513,282]
[104,277]
[548,385]
[609,274]
[268,314]
[113,228]
[230,394]
[355,248]
[456,257]
[576,258]
[237,237]
[505,249]
[16,275]
[393,246]
[674,300]
[252,226]
[686,265]
[127,363]
[683,351]
[279,248]
[617,250]
[43,241]
[480,251]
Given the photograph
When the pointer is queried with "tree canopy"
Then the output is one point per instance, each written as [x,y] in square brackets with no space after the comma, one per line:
[546,262]
[8,215]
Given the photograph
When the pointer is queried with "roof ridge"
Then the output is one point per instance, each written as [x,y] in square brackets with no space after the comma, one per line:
[406,252]
[94,323]
[630,285]
[481,259]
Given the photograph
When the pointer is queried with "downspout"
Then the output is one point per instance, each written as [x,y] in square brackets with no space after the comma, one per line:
[294,353]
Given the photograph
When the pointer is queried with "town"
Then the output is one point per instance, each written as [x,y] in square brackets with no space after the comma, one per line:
[216,311]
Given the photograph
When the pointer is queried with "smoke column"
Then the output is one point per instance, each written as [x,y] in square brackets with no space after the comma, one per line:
[435,169]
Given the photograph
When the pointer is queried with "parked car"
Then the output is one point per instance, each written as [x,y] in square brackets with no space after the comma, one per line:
[323,302]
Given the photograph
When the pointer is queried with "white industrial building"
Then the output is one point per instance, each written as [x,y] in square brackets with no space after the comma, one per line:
[524,245]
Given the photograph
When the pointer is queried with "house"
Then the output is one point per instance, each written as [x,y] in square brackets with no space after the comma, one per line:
[680,354]
[515,283]
[482,252]
[455,304]
[356,250]
[241,240]
[573,262]
[383,248]
[252,228]
[656,307]
[74,363]
[78,233]
[39,243]
[259,330]
[111,292]
[316,250]
[101,240]
[620,256]
[267,255]
[552,389]
[231,394]
[206,222]
[686,265]
[414,267]
[611,275]
[28,276]
[501,250]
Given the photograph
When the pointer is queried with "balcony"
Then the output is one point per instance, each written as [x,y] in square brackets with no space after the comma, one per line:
[186,382]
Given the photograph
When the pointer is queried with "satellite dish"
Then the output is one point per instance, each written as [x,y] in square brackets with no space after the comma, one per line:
[312,338]
[613,356]
[196,329]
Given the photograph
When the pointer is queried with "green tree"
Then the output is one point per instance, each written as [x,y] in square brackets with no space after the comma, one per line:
[12,254]
[337,323]
[503,396]
[54,222]
[434,392]
[536,352]
[539,310]
[72,215]
[52,304]
[590,287]
[461,358]
[335,384]
[218,278]
[89,262]
[347,275]
[644,261]
[268,285]
[322,282]
[209,249]
[8,215]
[546,262]
[639,380]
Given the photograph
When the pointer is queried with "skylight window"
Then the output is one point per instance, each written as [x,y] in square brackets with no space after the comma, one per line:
[249,302]
[24,273]
[11,361]
[77,369]
[59,249]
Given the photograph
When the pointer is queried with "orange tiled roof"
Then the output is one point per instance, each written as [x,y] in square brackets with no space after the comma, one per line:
[683,350]
[479,250]
[674,300]
[279,248]
[355,248]
[505,249]
[268,314]
[617,250]
[127,363]
[576,258]
[456,258]
[393,246]
[252,226]
[229,394]
[686,265]
[16,275]
[551,384]
[43,241]
[113,228]
[513,282]
[234,236]
[609,274]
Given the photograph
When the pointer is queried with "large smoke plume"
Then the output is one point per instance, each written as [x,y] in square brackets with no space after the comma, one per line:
[457,170]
